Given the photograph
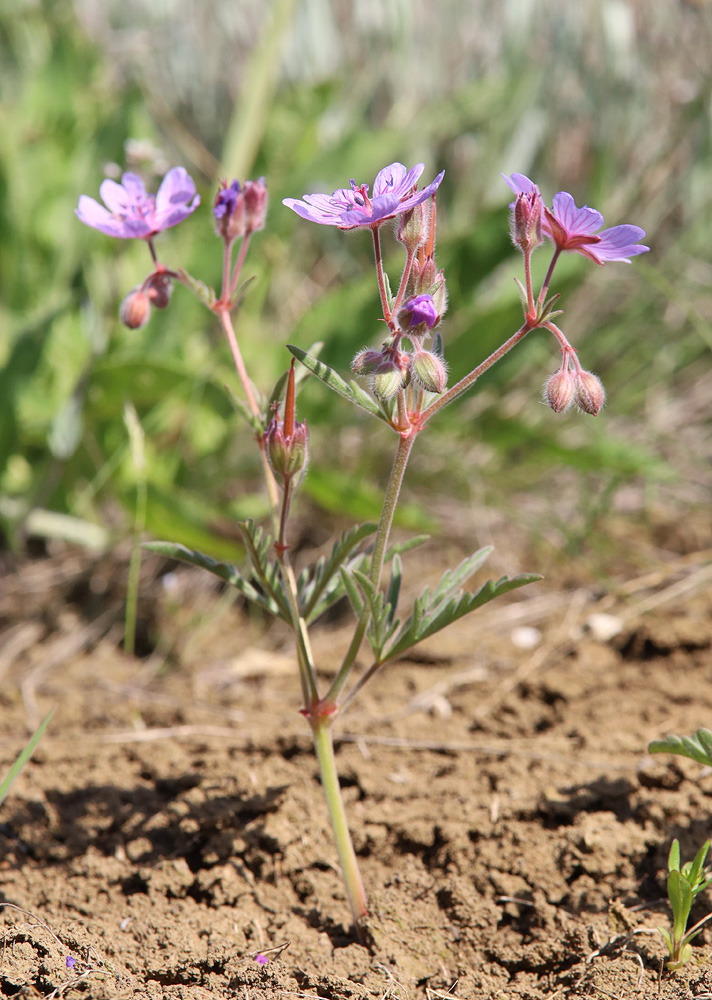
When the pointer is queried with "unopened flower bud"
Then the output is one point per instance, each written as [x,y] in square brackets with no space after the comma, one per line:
[429,280]
[388,378]
[239,211]
[589,394]
[366,362]
[287,453]
[429,370]
[412,228]
[135,309]
[255,195]
[559,390]
[526,220]
[159,289]
[287,442]
[418,314]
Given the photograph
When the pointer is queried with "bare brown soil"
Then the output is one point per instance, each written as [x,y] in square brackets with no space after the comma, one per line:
[511,828]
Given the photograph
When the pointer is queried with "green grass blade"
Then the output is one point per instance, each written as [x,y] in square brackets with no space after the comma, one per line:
[24,756]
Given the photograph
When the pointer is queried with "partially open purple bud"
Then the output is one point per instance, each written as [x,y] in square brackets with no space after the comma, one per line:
[366,362]
[559,390]
[418,314]
[229,211]
[429,371]
[135,309]
[589,394]
[239,211]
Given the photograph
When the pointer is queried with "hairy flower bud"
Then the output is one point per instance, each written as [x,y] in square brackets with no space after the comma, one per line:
[559,390]
[526,220]
[287,442]
[429,280]
[366,362]
[589,394]
[412,228]
[391,375]
[255,194]
[429,371]
[135,309]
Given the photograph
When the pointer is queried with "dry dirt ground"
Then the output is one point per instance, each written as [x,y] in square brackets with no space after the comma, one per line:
[511,828]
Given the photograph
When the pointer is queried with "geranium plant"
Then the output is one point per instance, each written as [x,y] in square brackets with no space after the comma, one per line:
[404,385]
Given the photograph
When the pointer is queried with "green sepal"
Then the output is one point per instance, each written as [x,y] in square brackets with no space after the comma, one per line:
[350,391]
[198,288]
[697,747]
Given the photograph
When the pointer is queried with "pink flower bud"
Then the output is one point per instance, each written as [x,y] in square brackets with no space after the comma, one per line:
[429,371]
[526,220]
[135,309]
[589,394]
[559,390]
[366,362]
[255,194]
[159,289]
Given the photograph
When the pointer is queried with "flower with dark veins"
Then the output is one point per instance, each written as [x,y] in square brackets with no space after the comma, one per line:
[577,229]
[394,192]
[132,213]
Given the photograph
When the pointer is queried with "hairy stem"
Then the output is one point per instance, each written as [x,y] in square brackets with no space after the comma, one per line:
[390,500]
[324,747]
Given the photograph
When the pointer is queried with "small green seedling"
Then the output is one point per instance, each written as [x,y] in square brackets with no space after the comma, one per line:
[23,757]
[683,885]
[697,747]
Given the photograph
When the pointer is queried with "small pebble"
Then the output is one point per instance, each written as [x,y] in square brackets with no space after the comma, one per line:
[526,637]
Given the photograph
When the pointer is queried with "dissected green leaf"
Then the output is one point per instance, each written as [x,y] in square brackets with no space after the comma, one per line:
[430,615]
[323,586]
[697,747]
[382,624]
[259,547]
[230,574]
[348,390]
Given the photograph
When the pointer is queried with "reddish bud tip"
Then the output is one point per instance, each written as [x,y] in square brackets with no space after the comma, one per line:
[559,390]
[135,309]
[589,394]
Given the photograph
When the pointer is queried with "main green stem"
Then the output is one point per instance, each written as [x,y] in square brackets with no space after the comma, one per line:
[324,748]
[405,445]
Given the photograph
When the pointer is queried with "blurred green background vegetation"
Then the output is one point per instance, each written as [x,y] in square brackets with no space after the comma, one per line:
[608,100]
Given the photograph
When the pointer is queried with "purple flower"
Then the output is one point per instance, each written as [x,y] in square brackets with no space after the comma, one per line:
[261,959]
[394,192]
[71,962]
[131,213]
[576,229]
